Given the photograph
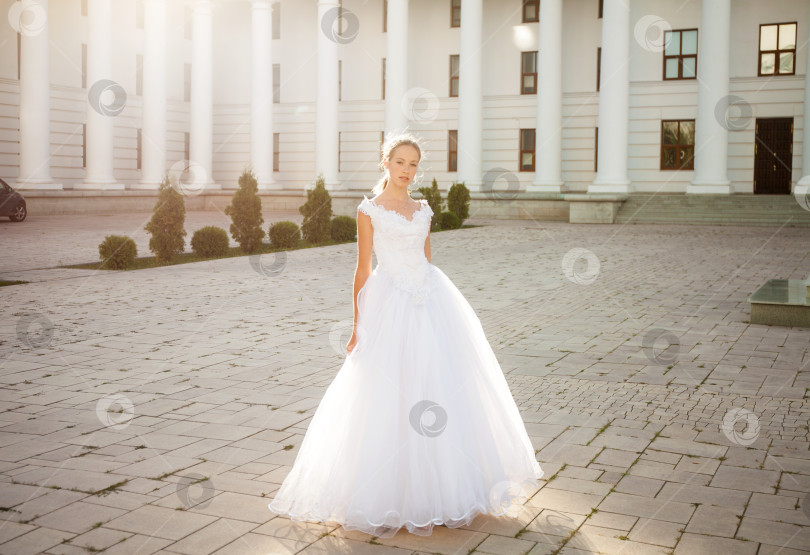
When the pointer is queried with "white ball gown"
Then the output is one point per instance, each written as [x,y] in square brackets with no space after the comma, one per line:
[418,427]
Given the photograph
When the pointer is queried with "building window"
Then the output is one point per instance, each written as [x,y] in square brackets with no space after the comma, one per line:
[139,14]
[275,151]
[527,150]
[84,66]
[777,49]
[452,150]
[528,73]
[84,145]
[454,63]
[276,15]
[680,54]
[385,16]
[338,151]
[596,149]
[139,74]
[19,49]
[455,13]
[600,10]
[187,82]
[531,11]
[139,150]
[276,83]
[598,67]
[186,145]
[382,142]
[678,144]
[340,18]
[340,80]
[188,23]
[383,78]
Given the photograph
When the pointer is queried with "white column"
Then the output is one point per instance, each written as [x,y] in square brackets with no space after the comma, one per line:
[261,94]
[548,145]
[104,98]
[326,108]
[396,63]
[153,135]
[614,106]
[803,186]
[711,136]
[35,102]
[202,119]
[470,99]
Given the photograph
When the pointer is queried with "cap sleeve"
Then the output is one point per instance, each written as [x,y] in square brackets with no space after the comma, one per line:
[427,206]
[365,206]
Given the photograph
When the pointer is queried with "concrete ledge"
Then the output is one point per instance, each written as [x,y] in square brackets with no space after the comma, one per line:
[593,208]
[782,302]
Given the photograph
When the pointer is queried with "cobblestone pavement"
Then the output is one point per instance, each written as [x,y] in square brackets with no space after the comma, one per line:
[158,411]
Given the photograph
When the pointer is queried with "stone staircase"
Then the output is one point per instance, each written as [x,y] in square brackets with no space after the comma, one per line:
[753,210]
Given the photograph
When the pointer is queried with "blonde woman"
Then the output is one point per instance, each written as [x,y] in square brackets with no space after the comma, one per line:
[419,427]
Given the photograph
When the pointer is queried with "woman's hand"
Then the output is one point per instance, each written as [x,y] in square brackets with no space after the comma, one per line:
[352,341]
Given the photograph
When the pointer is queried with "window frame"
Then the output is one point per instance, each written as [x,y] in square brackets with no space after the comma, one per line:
[454,78]
[527,3]
[452,153]
[676,147]
[680,56]
[778,51]
[523,75]
[522,151]
[455,8]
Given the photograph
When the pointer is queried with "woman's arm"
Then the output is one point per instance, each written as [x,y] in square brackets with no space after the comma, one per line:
[364,242]
[427,246]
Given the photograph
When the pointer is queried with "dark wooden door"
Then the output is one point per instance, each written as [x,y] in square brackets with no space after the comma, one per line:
[773,156]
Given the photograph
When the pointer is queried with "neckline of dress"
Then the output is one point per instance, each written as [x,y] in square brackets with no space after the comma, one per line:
[413,216]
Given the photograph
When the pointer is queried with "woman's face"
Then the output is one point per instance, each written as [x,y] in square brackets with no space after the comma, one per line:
[402,165]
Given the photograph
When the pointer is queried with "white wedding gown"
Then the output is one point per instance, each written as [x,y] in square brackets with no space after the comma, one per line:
[419,427]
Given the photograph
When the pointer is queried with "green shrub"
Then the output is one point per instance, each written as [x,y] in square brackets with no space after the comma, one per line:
[166,225]
[448,220]
[458,201]
[245,211]
[344,228]
[210,241]
[284,235]
[117,252]
[434,198]
[317,212]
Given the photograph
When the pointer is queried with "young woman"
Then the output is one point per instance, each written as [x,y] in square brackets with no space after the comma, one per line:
[419,427]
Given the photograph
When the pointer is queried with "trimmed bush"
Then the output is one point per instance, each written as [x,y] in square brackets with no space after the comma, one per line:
[448,220]
[210,241]
[434,198]
[458,201]
[117,252]
[317,211]
[284,235]
[245,211]
[166,225]
[344,228]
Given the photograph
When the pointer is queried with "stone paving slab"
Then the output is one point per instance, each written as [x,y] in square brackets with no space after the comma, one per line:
[158,411]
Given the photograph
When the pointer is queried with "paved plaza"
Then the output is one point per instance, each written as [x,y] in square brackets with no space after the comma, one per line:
[157,411]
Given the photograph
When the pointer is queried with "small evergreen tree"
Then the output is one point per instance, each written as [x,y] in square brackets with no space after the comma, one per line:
[458,201]
[434,198]
[166,225]
[317,211]
[245,211]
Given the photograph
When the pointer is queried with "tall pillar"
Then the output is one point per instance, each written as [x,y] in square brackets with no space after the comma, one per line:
[326,108]
[202,119]
[35,104]
[261,94]
[614,103]
[548,146]
[396,63]
[711,136]
[153,135]
[105,98]
[470,96]
[803,185]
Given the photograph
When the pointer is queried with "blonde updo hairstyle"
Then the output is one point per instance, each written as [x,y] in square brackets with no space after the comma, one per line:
[388,151]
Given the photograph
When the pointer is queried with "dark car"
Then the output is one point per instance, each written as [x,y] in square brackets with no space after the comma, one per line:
[12,203]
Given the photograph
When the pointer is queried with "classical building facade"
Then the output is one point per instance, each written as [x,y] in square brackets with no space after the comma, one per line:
[555,96]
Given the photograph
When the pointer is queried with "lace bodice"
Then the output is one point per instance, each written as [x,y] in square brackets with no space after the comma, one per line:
[399,245]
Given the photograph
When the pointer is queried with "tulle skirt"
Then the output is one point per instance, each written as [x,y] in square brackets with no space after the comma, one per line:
[418,428]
